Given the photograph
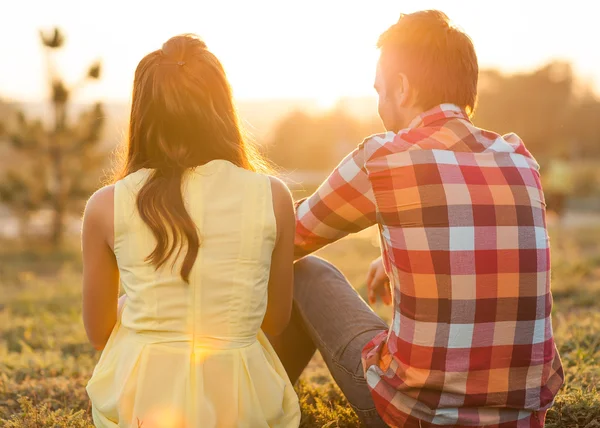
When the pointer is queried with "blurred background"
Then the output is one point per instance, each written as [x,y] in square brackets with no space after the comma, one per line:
[302,74]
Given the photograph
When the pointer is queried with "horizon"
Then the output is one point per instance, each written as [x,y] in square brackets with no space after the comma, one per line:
[297,56]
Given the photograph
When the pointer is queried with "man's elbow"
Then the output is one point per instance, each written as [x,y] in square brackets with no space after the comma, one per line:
[305,245]
[301,252]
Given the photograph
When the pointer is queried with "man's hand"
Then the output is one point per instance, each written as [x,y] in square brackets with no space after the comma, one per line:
[378,283]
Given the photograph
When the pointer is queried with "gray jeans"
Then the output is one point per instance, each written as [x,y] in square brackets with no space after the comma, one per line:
[329,315]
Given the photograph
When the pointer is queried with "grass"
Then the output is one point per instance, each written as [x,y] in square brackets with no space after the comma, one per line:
[45,360]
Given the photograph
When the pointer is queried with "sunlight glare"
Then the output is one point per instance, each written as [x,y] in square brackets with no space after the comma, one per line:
[164,418]
[278,58]
[327,101]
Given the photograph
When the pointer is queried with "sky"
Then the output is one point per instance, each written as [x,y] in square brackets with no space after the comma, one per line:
[320,49]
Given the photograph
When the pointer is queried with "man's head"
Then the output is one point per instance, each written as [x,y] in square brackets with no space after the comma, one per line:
[424,61]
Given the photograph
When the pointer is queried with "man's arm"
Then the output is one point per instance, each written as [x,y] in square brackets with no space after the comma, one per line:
[343,204]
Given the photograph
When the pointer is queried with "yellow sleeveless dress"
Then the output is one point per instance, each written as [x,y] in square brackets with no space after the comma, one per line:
[193,355]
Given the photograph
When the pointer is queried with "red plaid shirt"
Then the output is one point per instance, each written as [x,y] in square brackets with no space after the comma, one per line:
[461,216]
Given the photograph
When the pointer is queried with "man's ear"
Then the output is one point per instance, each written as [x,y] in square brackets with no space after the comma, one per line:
[404,92]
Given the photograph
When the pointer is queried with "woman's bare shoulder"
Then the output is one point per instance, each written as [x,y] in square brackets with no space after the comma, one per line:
[281,193]
[100,207]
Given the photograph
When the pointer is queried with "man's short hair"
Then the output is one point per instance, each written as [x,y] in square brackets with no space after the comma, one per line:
[438,59]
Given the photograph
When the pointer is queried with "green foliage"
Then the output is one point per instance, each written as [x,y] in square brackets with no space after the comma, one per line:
[324,406]
[54,39]
[544,107]
[45,359]
[54,167]
[30,416]
[317,142]
[95,70]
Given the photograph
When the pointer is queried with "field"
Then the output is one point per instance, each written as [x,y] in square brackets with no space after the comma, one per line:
[45,359]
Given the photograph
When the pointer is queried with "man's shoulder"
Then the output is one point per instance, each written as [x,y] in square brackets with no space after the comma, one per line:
[409,139]
[390,142]
[455,135]
[379,139]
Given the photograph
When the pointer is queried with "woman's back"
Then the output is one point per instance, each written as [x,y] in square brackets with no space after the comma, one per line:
[227,291]
[194,351]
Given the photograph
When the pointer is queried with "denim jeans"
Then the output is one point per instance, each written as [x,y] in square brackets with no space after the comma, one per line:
[329,315]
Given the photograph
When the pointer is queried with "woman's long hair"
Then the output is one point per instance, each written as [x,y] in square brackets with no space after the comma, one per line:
[182,116]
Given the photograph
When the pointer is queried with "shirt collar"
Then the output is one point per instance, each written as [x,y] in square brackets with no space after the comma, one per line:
[440,112]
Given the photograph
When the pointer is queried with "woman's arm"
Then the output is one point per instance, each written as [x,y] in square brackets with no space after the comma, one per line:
[281,280]
[100,272]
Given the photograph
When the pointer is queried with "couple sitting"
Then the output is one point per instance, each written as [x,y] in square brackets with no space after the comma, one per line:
[218,322]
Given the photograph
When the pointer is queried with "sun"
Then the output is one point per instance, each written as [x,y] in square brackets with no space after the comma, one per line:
[327,101]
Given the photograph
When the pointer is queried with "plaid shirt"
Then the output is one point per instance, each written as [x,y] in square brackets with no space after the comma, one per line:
[461,216]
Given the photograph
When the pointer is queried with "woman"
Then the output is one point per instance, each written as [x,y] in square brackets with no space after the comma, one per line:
[202,244]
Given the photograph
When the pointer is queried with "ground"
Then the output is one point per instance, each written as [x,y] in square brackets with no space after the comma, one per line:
[45,359]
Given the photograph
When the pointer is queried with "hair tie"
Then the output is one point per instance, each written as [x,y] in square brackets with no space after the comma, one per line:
[179,63]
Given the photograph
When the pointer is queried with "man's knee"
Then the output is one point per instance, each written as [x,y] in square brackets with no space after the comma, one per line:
[314,276]
[313,270]
[313,265]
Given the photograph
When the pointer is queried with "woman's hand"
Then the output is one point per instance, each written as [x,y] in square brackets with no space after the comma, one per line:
[378,283]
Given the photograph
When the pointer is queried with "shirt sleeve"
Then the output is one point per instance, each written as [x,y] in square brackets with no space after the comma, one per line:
[344,203]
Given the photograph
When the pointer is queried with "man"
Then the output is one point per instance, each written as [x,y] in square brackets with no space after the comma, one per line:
[461,216]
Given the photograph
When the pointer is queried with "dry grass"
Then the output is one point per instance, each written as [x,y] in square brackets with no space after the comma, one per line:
[45,360]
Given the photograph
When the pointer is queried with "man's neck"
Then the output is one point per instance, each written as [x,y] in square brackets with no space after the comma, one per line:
[411,116]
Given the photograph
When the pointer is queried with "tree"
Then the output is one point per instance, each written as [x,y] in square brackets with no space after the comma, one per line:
[535,105]
[23,189]
[57,165]
[545,107]
[584,125]
[320,142]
